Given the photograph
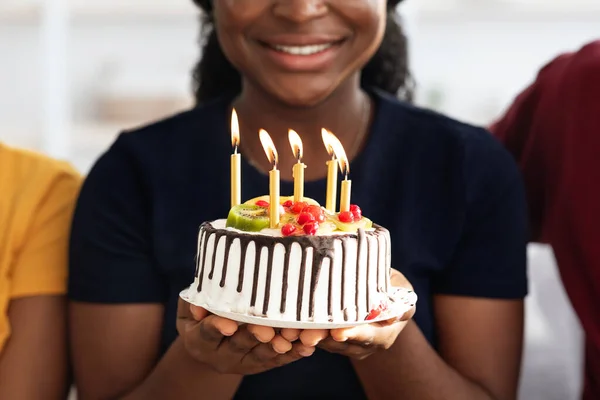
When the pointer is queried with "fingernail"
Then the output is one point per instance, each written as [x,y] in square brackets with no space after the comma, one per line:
[306,351]
[340,338]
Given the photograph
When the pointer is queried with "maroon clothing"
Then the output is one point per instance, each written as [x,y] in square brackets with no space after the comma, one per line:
[553,130]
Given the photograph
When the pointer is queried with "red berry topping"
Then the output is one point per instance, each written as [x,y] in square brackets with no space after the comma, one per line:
[305,217]
[311,228]
[288,229]
[316,211]
[298,207]
[356,211]
[288,204]
[346,216]
[262,203]
[376,312]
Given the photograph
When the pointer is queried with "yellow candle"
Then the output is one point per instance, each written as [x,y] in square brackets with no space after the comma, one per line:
[332,176]
[298,173]
[236,196]
[298,169]
[345,195]
[274,198]
[236,161]
[271,153]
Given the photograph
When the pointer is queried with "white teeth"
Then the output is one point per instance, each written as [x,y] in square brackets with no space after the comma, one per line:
[303,50]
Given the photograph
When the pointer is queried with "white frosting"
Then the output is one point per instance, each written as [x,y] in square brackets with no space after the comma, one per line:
[335,275]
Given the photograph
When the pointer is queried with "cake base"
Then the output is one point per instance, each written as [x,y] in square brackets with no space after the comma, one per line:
[401,301]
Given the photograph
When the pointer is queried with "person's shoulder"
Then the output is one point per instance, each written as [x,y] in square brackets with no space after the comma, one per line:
[34,181]
[574,67]
[178,128]
[21,165]
[432,126]
[479,155]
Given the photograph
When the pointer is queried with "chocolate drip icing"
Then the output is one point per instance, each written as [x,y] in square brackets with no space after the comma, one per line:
[322,247]
[197,257]
[369,240]
[243,248]
[343,300]
[286,271]
[228,242]
[301,284]
[201,276]
[361,242]
[218,236]
[267,296]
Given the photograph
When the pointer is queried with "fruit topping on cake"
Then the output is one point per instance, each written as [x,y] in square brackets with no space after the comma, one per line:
[305,217]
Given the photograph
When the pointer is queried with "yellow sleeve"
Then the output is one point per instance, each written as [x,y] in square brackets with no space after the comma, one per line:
[40,267]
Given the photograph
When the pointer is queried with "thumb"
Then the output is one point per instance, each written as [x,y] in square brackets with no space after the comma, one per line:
[198,313]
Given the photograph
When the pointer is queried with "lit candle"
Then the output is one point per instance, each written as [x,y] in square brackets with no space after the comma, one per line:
[236,159]
[271,153]
[332,174]
[298,169]
[346,187]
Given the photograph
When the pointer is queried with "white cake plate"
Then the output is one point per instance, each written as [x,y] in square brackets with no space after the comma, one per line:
[403,301]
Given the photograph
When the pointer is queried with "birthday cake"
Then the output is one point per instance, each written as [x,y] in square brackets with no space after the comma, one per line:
[316,266]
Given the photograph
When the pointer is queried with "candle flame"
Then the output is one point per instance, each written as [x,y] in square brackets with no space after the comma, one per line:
[269,147]
[235,131]
[326,135]
[340,154]
[296,144]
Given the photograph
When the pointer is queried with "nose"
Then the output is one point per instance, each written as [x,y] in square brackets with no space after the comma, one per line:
[300,11]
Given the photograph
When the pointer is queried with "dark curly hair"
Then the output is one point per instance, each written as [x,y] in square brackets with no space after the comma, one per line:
[387,70]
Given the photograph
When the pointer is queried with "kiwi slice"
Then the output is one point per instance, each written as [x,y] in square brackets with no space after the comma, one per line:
[248,217]
[364,223]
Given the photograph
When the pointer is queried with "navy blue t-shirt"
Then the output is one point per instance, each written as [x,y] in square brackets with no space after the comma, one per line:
[450,195]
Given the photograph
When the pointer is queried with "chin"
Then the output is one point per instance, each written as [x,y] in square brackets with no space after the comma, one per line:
[302,95]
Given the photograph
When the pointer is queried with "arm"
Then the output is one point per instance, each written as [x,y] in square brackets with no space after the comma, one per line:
[116,356]
[34,362]
[474,361]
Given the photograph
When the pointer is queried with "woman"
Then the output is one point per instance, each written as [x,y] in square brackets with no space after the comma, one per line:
[37,197]
[449,194]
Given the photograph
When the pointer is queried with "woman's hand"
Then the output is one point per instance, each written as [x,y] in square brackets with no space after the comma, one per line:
[361,341]
[230,348]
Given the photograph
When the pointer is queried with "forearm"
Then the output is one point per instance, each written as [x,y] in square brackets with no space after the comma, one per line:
[179,376]
[414,369]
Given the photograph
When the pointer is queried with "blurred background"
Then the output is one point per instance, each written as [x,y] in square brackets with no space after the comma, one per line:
[73,73]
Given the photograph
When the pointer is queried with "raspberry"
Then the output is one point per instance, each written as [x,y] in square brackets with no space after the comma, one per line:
[374,313]
[262,203]
[316,211]
[288,229]
[311,228]
[305,217]
[288,204]
[298,207]
[346,216]
[356,212]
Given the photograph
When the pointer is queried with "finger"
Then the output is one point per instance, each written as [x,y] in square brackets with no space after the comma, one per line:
[225,326]
[198,313]
[290,334]
[363,333]
[356,351]
[240,342]
[263,334]
[280,344]
[183,309]
[297,352]
[312,337]
[209,333]
[397,279]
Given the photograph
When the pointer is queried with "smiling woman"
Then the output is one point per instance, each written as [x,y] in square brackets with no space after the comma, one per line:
[450,196]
